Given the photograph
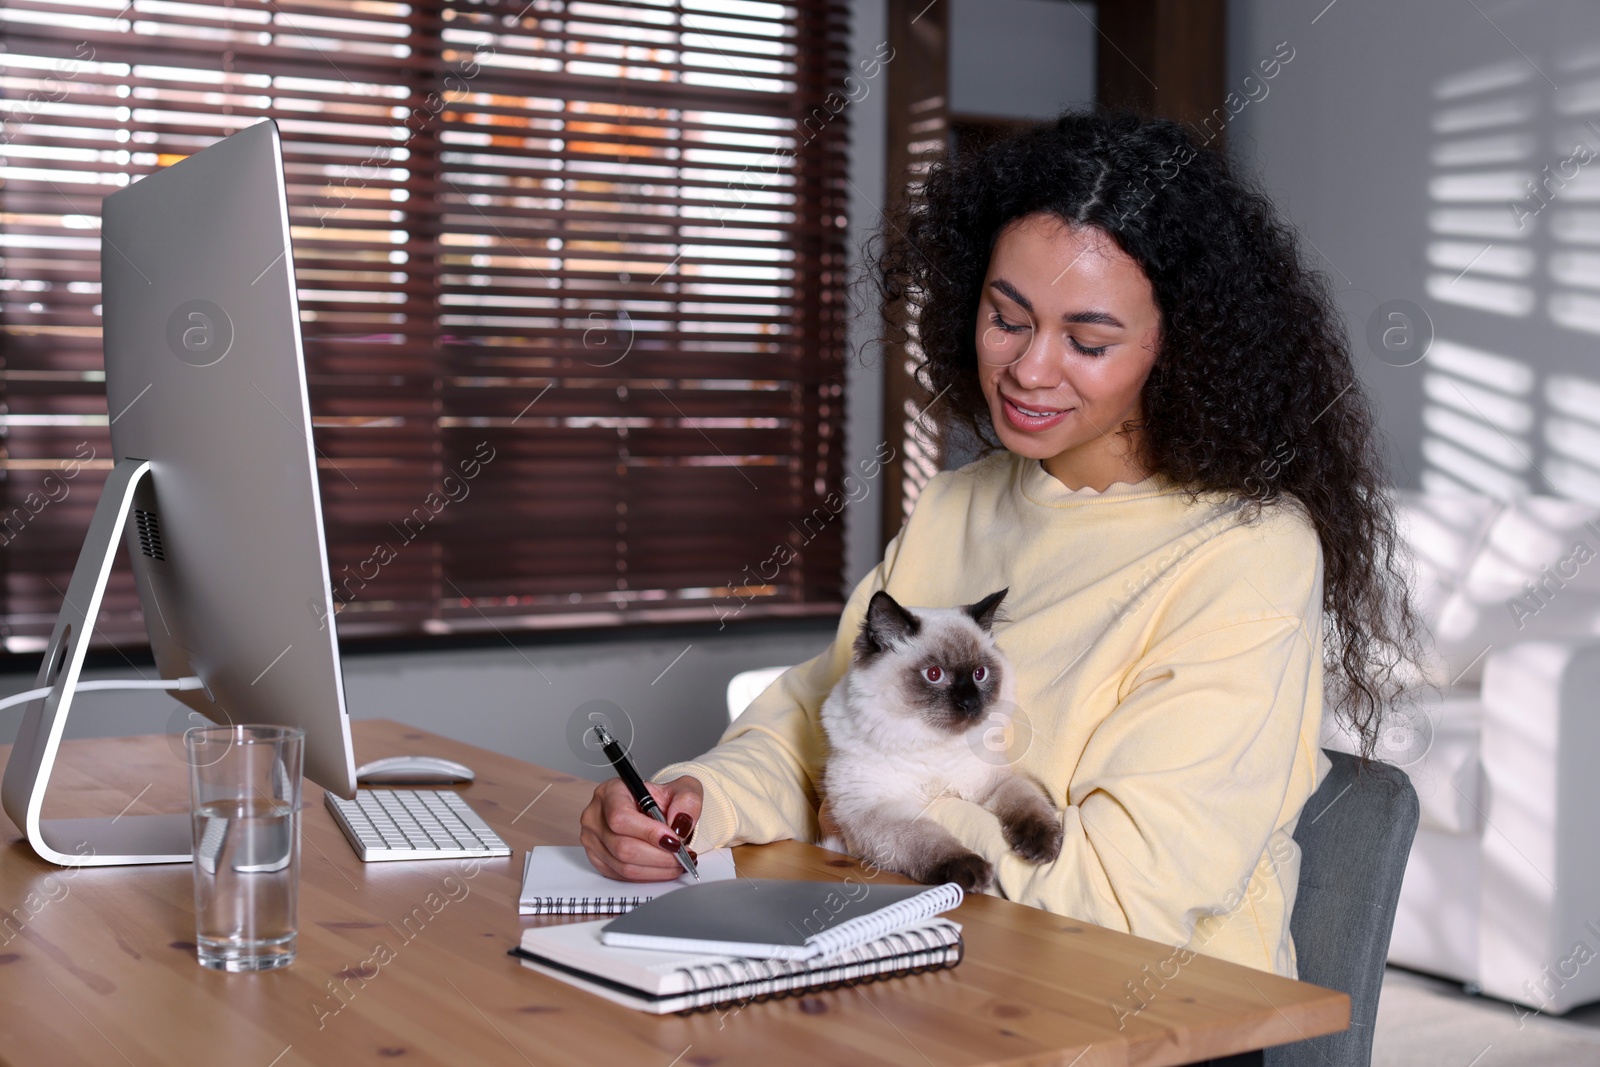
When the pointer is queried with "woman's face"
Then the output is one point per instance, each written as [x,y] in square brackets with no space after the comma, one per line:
[1068,330]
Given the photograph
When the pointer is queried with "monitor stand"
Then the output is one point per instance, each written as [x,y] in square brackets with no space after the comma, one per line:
[107,840]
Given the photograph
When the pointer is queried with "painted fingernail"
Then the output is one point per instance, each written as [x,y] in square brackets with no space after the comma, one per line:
[680,825]
[668,843]
[693,855]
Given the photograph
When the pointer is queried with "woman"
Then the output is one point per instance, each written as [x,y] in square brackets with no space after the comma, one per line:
[1181,485]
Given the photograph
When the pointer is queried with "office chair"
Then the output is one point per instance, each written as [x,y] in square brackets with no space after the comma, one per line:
[1354,837]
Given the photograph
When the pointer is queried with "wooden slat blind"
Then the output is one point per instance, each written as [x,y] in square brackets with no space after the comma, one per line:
[571,282]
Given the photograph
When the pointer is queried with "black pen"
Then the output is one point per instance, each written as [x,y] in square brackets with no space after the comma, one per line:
[647,803]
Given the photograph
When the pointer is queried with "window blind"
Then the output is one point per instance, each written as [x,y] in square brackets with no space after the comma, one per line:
[570,275]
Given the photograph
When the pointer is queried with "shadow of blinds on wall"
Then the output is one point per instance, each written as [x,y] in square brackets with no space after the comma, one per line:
[1478,411]
[570,280]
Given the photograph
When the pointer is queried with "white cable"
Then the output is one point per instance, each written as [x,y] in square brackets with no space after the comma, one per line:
[190,682]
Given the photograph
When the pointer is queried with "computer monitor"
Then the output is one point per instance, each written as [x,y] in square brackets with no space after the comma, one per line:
[214,487]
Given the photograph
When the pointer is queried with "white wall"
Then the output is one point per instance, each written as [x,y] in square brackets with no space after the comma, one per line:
[1397,140]
[520,701]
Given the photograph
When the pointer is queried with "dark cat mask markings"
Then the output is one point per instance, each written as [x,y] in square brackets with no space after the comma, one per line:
[957,698]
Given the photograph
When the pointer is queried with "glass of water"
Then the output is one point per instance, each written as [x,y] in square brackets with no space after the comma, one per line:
[244,795]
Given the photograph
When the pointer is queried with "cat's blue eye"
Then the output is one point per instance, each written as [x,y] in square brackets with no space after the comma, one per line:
[980,674]
[932,674]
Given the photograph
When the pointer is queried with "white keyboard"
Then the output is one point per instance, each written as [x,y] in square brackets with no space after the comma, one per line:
[413,824]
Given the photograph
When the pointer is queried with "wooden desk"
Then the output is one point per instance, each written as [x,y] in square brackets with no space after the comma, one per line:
[97,965]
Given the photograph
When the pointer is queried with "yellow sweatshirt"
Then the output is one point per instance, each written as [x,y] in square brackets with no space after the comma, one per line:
[1169,662]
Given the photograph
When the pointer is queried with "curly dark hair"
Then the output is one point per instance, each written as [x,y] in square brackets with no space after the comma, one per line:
[1253,391]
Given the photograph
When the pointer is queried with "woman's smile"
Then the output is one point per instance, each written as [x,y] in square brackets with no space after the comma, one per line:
[1033,418]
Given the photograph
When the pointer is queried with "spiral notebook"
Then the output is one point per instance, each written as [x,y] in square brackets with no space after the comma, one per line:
[560,880]
[777,918]
[664,982]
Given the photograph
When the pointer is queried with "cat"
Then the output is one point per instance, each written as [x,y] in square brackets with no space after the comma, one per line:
[904,727]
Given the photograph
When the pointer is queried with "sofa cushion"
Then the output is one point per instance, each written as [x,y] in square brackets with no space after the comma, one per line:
[1444,532]
[1437,917]
[1486,574]
[1441,536]
[1448,778]
[1537,532]
[1435,740]
[1465,629]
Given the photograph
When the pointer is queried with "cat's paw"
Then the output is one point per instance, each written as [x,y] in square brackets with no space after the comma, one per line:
[969,870]
[835,843]
[1034,836]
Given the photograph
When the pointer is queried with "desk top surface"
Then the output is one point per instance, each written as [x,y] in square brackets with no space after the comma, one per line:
[408,960]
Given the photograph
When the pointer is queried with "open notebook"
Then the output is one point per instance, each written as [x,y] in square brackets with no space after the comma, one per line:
[777,918]
[662,982]
[560,880]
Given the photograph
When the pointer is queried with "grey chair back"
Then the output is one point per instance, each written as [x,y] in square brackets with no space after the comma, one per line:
[1355,837]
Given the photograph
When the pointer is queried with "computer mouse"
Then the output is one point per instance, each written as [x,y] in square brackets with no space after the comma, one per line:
[413,770]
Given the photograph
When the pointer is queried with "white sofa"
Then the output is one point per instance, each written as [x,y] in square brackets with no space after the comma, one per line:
[1502,892]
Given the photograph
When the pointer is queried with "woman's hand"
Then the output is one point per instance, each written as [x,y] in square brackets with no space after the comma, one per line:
[623,842]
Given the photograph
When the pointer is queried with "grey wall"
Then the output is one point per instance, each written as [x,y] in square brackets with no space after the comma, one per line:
[517,700]
[1397,140]
[1020,58]
[520,700]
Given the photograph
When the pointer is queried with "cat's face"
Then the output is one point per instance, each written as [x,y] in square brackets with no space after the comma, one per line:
[941,664]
